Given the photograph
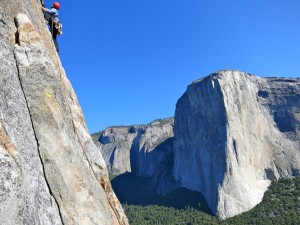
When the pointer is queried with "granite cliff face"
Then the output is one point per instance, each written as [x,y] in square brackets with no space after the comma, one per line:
[138,149]
[234,133]
[50,170]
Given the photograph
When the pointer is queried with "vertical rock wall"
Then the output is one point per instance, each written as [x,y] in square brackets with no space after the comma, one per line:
[234,134]
[51,171]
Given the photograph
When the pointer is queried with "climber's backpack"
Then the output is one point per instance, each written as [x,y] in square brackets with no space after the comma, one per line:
[58,26]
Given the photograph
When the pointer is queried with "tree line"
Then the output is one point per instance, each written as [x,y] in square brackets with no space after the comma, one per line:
[280,205]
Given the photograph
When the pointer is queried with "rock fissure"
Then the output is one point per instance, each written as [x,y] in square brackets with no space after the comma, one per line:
[84,153]
[74,127]
[38,145]
[40,111]
[102,182]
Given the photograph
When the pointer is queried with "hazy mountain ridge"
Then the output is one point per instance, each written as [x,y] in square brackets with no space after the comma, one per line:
[129,148]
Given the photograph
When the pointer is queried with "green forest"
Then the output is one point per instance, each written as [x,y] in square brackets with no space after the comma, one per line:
[280,205]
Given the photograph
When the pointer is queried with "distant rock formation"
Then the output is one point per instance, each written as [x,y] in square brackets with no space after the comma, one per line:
[234,133]
[50,170]
[139,149]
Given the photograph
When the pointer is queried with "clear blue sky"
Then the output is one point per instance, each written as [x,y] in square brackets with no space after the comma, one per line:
[130,61]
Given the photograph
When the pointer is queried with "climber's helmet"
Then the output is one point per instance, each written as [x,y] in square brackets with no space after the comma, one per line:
[56,5]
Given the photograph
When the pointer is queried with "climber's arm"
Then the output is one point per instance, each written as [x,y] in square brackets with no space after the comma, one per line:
[44,9]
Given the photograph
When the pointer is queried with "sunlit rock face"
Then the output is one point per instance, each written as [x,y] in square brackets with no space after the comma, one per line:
[50,170]
[234,133]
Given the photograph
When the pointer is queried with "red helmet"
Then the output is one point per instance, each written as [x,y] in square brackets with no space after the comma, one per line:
[56,5]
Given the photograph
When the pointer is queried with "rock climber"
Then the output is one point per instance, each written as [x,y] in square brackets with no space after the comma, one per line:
[51,15]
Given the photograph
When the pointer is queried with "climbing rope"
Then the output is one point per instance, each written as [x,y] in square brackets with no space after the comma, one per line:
[43,3]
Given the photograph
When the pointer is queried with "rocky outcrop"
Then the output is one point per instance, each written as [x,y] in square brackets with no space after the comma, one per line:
[50,170]
[234,133]
[139,149]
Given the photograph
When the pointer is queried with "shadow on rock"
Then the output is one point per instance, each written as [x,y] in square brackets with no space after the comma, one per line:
[135,190]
